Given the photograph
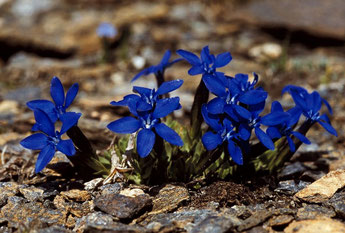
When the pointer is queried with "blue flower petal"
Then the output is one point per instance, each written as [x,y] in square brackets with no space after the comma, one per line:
[275,118]
[168,134]
[44,157]
[264,138]
[126,99]
[328,127]
[141,73]
[206,56]
[301,137]
[273,132]
[44,123]
[71,94]
[230,111]
[143,91]
[244,132]
[44,105]
[165,58]
[195,70]
[276,107]
[66,147]
[291,144]
[35,142]
[68,120]
[295,114]
[211,120]
[244,113]
[142,106]
[216,106]
[124,125]
[329,108]
[253,97]
[316,101]
[235,152]
[167,87]
[190,57]
[214,86]
[222,60]
[165,107]
[211,140]
[145,142]
[57,92]
[299,100]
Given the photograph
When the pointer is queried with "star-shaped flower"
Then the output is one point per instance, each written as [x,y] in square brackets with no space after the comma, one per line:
[159,69]
[57,109]
[49,140]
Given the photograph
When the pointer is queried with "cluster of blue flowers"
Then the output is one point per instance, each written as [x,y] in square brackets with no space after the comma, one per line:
[148,108]
[47,113]
[232,116]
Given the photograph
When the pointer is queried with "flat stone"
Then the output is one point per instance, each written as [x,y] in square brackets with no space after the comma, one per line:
[54,229]
[77,195]
[314,212]
[169,198]
[111,188]
[292,171]
[213,224]
[122,206]
[114,227]
[330,20]
[132,192]
[94,219]
[93,184]
[324,188]
[17,211]
[7,189]
[32,193]
[338,204]
[280,220]
[326,225]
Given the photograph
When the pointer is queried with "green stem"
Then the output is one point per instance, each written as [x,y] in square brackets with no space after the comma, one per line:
[201,97]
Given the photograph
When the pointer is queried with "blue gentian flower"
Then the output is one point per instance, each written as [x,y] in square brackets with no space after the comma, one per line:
[286,128]
[57,109]
[159,69]
[147,109]
[310,105]
[225,132]
[303,93]
[49,140]
[106,30]
[207,66]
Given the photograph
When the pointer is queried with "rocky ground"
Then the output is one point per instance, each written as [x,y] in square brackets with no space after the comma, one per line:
[286,42]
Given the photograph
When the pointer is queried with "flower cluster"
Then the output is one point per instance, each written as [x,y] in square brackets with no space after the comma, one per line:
[46,115]
[235,111]
[148,109]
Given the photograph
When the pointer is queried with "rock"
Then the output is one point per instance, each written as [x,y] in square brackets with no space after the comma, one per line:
[311,176]
[7,189]
[314,211]
[169,198]
[292,171]
[77,195]
[54,229]
[93,184]
[21,95]
[93,219]
[326,225]
[266,51]
[121,206]
[114,227]
[213,224]
[330,20]
[17,211]
[190,221]
[324,188]
[132,192]
[338,204]
[280,220]
[32,193]
[287,186]
[111,188]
